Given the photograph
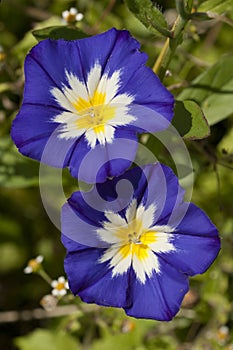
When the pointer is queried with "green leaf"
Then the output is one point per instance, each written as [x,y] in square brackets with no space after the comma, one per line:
[149,15]
[189,120]
[217,6]
[42,339]
[59,32]
[213,91]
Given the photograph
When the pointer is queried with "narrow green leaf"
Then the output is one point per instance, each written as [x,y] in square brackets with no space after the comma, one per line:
[217,6]
[149,15]
[59,32]
[190,121]
[213,91]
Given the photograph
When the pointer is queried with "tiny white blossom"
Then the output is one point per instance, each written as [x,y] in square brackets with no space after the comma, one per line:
[72,15]
[222,335]
[34,265]
[60,286]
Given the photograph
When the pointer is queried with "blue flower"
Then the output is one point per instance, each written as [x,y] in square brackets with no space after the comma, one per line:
[86,94]
[132,242]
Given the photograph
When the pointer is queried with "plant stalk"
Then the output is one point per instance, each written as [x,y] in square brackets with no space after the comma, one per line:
[162,63]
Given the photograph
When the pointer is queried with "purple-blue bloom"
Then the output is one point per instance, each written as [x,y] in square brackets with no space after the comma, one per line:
[132,242]
[86,93]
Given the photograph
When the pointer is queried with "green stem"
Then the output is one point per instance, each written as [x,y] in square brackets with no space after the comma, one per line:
[181,9]
[161,57]
[169,48]
[162,63]
[160,29]
[45,276]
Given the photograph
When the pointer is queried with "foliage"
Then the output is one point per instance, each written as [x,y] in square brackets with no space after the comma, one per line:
[196,65]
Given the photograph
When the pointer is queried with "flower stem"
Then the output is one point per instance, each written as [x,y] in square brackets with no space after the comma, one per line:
[45,276]
[161,65]
[169,48]
[161,57]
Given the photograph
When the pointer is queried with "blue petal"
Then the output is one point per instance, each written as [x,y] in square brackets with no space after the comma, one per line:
[151,184]
[96,49]
[93,281]
[158,185]
[161,295]
[36,135]
[150,92]
[125,56]
[114,50]
[79,222]
[147,119]
[170,194]
[135,179]
[51,59]
[95,165]
[196,241]
[47,62]
[195,222]
[194,254]
[112,195]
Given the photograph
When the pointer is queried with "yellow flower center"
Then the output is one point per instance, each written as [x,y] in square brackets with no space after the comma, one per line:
[70,18]
[34,265]
[135,239]
[94,113]
[60,286]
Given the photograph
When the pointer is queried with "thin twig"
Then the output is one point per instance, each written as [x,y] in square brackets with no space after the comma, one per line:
[40,314]
[107,10]
[37,314]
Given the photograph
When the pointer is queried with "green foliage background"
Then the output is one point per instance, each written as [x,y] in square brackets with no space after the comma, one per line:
[201,70]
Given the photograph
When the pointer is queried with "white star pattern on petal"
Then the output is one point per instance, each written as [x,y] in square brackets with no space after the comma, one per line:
[135,241]
[94,109]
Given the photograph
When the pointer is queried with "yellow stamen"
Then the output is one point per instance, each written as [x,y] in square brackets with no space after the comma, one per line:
[136,240]
[60,286]
[94,113]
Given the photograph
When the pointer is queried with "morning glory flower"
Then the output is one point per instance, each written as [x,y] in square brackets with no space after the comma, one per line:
[139,257]
[90,94]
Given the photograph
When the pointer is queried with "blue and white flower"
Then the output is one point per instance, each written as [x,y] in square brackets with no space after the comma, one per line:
[86,94]
[139,257]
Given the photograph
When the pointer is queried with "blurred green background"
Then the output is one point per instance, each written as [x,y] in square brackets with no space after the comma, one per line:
[206,317]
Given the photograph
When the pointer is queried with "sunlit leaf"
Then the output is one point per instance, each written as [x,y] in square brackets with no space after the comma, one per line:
[59,32]
[213,91]
[217,6]
[189,120]
[149,15]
